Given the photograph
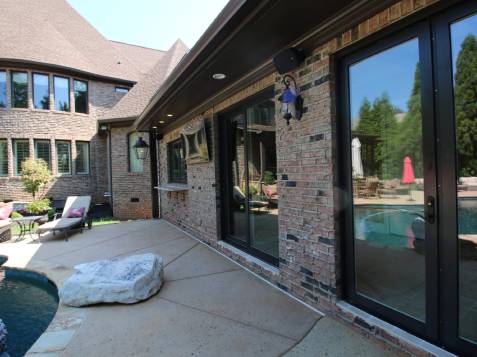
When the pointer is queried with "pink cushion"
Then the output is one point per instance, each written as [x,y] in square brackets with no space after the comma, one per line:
[5,211]
[76,212]
[270,190]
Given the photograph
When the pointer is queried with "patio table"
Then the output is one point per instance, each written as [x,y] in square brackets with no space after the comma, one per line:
[26,223]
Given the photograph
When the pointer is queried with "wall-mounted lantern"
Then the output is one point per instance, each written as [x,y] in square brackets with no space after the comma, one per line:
[292,101]
[141,148]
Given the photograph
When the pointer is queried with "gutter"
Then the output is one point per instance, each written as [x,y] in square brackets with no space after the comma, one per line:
[17,63]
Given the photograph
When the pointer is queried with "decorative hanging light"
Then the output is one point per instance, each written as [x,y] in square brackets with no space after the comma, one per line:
[141,148]
[292,102]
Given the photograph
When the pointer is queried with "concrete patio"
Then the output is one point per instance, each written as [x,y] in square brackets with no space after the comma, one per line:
[208,306]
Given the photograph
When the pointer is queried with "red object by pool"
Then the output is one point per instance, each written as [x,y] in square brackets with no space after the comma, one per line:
[408,171]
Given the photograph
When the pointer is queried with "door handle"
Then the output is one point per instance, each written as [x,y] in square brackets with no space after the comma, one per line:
[430,209]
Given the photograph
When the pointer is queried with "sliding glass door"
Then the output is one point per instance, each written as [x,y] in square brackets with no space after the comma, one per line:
[249,177]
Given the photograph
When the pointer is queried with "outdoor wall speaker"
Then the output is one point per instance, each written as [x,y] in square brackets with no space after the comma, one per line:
[288,60]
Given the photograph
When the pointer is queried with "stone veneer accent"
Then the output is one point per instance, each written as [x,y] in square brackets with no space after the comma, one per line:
[54,125]
[129,186]
[309,245]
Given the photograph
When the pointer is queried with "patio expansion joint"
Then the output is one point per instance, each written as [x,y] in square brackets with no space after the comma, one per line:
[231,319]
[303,337]
[103,241]
[320,313]
[204,275]
[180,255]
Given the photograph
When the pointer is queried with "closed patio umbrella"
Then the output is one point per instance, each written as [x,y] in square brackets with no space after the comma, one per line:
[356,158]
[408,174]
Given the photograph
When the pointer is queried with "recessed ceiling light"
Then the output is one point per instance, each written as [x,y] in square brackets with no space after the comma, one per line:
[161,121]
[218,76]
[169,115]
[154,127]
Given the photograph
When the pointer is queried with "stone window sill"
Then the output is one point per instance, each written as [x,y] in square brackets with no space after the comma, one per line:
[173,187]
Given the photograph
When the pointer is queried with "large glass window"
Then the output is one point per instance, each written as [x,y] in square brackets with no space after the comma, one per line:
[62,93]
[42,151]
[21,152]
[19,90]
[81,96]
[388,184]
[177,164]
[251,194]
[464,55]
[3,157]
[3,89]
[63,157]
[135,164]
[82,157]
[41,91]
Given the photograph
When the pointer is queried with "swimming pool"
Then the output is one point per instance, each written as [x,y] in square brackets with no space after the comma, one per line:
[28,304]
[391,225]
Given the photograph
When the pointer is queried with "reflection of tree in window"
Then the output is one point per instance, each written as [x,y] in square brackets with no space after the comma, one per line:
[19,90]
[388,135]
[81,96]
[466,107]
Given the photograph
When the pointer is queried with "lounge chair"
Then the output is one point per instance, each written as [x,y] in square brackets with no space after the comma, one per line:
[74,216]
[239,199]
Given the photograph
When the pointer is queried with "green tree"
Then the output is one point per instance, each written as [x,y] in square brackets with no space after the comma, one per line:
[409,138]
[35,175]
[377,124]
[366,121]
[466,107]
[385,115]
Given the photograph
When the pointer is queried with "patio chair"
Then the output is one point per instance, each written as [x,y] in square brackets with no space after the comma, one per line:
[239,199]
[74,216]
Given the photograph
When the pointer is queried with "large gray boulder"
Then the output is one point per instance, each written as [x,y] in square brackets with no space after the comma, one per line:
[125,280]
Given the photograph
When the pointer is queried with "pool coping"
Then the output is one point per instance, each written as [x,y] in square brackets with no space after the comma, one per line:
[66,321]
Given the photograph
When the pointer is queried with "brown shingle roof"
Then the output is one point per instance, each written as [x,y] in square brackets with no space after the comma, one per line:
[143,58]
[52,32]
[134,102]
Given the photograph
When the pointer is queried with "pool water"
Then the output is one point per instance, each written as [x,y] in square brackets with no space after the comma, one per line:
[390,225]
[28,303]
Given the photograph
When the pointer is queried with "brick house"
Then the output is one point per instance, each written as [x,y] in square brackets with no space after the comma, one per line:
[351,208]
[52,95]
[361,207]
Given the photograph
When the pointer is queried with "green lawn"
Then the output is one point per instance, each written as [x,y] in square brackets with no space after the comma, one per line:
[96,222]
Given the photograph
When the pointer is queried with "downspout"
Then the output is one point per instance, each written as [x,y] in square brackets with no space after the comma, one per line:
[154,173]
[110,161]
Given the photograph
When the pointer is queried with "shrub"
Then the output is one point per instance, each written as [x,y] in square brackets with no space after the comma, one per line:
[35,175]
[268,178]
[16,214]
[39,206]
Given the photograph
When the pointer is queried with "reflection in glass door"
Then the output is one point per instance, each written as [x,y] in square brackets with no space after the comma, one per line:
[390,176]
[249,172]
[388,184]
[464,65]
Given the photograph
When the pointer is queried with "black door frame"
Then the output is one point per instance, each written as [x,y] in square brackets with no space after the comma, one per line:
[448,225]
[225,152]
[429,328]
[442,315]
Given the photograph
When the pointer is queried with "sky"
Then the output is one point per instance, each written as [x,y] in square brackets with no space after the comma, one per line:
[392,71]
[150,23]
